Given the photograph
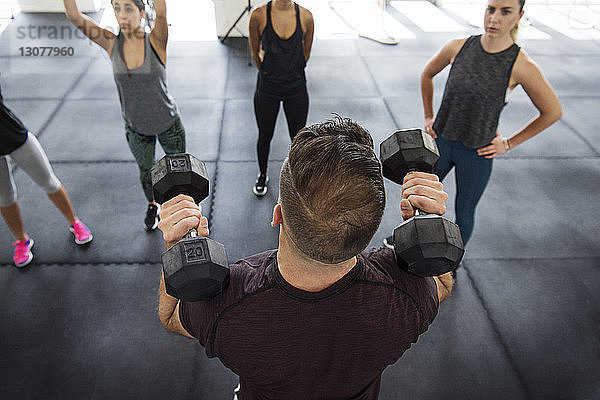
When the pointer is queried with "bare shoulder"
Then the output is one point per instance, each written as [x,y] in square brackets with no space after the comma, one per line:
[452,48]
[305,14]
[306,19]
[259,13]
[525,68]
[258,18]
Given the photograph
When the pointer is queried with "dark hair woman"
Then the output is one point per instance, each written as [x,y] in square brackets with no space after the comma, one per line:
[281,35]
[138,61]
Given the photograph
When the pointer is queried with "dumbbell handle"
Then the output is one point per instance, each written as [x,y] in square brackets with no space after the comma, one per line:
[192,233]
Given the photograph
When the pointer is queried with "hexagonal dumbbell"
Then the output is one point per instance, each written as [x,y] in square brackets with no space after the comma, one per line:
[196,268]
[427,244]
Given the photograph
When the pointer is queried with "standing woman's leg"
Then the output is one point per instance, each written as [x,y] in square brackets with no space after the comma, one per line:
[266,109]
[32,159]
[445,162]
[8,202]
[296,111]
[173,139]
[472,176]
[142,147]
[12,215]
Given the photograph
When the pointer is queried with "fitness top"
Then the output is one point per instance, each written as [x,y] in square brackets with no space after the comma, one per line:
[146,104]
[282,68]
[13,133]
[475,94]
[286,343]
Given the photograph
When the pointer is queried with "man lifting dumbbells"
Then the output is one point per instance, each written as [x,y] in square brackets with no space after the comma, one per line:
[320,317]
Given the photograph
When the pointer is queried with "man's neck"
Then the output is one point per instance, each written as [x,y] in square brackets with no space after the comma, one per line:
[306,274]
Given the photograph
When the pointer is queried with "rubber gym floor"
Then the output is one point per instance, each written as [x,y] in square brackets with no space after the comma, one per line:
[81,323]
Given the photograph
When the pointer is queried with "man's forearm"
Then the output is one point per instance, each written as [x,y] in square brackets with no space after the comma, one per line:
[166,303]
[444,285]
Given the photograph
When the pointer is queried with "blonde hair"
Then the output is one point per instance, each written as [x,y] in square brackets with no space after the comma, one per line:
[515,30]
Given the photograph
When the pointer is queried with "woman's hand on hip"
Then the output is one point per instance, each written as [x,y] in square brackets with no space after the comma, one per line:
[495,148]
[429,127]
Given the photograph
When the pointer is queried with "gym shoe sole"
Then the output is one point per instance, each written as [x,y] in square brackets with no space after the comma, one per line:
[29,260]
[156,220]
[77,241]
[261,193]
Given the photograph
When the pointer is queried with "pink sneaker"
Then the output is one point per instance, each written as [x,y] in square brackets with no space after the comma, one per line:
[23,254]
[81,232]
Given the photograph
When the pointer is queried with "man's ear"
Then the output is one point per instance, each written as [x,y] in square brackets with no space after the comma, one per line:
[277,215]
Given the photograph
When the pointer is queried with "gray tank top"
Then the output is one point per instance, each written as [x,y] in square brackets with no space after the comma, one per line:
[475,94]
[146,104]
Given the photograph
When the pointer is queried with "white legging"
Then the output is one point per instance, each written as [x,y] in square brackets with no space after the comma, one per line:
[32,159]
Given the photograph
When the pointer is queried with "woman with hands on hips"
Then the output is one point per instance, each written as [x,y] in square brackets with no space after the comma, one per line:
[485,68]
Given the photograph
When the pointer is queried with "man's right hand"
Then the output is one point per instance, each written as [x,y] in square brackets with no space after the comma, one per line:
[180,215]
[423,191]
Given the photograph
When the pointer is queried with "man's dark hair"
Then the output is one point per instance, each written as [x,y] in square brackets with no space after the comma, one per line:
[331,190]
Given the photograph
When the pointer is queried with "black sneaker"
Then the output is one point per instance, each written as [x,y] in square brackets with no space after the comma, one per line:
[151,220]
[389,242]
[260,187]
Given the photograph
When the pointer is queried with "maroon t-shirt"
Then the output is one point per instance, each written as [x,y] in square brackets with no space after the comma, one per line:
[286,343]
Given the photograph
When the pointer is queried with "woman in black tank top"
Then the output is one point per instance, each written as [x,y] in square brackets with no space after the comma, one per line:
[281,34]
[138,61]
[484,69]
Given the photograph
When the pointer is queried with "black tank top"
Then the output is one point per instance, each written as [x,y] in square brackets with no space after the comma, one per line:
[282,69]
[475,94]
[12,131]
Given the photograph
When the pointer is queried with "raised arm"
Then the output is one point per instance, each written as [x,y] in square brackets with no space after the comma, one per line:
[85,24]
[160,33]
[530,77]
[425,192]
[437,63]
[254,29]
[177,217]
[308,34]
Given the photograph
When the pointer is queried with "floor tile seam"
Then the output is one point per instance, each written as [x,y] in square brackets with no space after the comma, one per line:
[179,98]
[84,264]
[579,135]
[579,96]
[42,129]
[389,110]
[591,157]
[32,98]
[579,258]
[221,126]
[48,57]
[227,161]
[250,161]
[379,93]
[503,344]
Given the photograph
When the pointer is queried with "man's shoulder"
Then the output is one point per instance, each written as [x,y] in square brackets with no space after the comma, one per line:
[252,274]
[257,260]
[381,268]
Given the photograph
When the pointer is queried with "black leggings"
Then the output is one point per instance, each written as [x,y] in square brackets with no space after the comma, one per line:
[266,108]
